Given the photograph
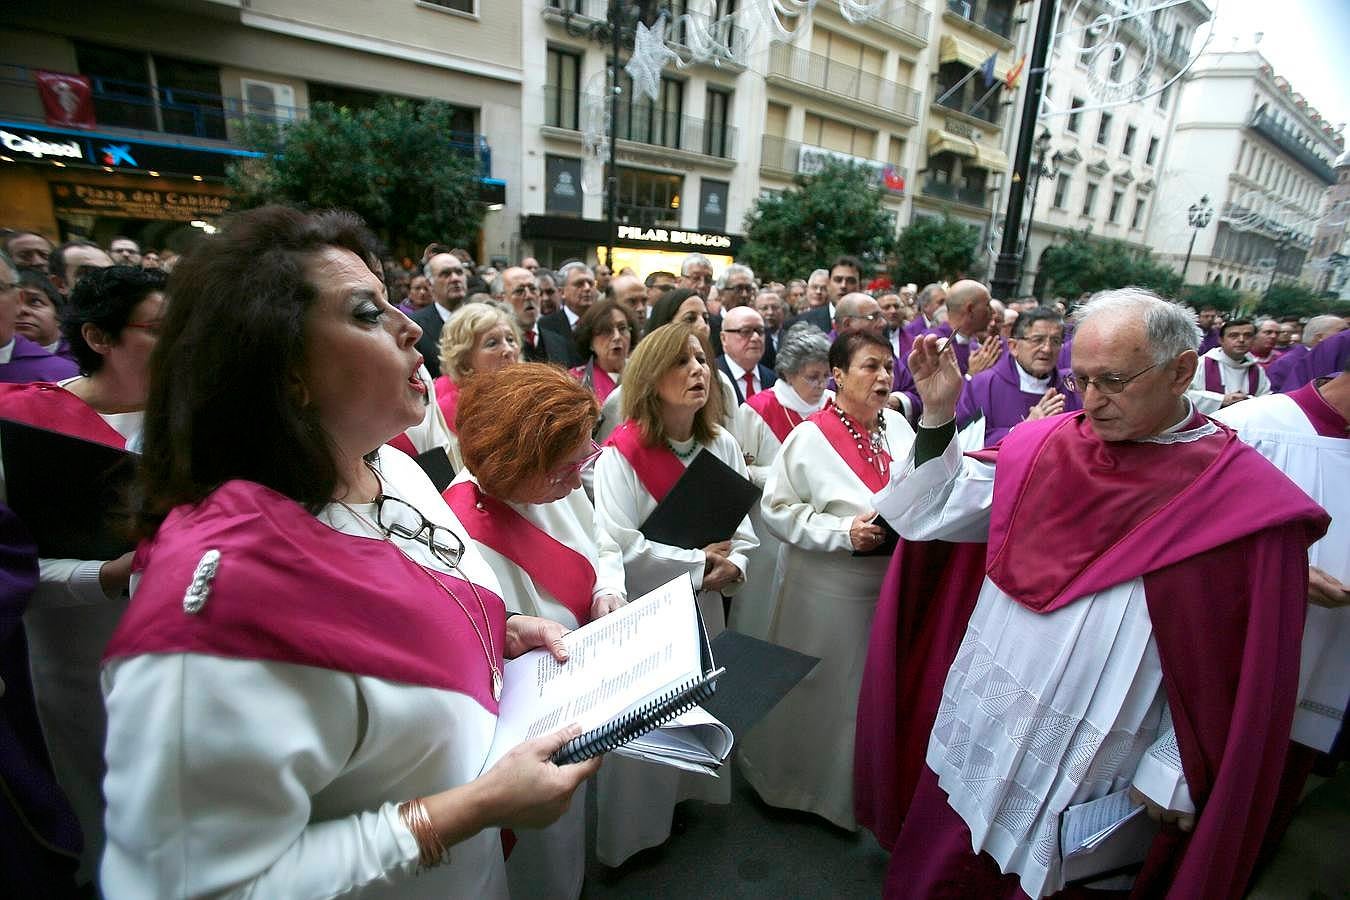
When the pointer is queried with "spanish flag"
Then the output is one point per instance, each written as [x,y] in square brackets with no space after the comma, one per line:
[1015,73]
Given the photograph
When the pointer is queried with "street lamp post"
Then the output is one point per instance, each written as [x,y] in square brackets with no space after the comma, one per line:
[1198,215]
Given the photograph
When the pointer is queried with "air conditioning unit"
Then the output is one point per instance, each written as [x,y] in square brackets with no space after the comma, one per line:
[268,100]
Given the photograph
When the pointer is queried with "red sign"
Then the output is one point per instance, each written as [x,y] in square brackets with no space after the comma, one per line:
[67,99]
[893,179]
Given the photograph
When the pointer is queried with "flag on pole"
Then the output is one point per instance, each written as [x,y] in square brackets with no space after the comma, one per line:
[1016,73]
[987,70]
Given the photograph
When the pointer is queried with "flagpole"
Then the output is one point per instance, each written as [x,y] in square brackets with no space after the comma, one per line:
[1010,254]
[956,87]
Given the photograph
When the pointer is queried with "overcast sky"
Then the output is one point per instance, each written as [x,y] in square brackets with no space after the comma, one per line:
[1306,41]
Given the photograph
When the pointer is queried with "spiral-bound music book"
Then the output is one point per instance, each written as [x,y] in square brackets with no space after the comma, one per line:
[628,673]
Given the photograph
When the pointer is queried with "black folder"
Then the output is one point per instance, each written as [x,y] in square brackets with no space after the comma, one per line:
[72,494]
[704,507]
[436,464]
[888,543]
[758,675]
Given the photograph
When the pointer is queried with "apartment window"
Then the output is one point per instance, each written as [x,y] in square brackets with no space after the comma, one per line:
[1089,199]
[841,137]
[1062,183]
[1152,153]
[715,127]
[1113,214]
[562,92]
[650,122]
[1104,129]
[1074,115]
[464,6]
[1138,216]
[1127,149]
[184,99]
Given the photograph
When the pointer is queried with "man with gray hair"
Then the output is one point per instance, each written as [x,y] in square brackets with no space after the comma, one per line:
[1293,369]
[578,293]
[736,287]
[696,274]
[1107,645]
[743,339]
[449,285]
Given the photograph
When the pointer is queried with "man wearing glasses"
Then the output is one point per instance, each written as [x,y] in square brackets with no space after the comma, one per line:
[1105,639]
[743,340]
[1024,384]
[737,287]
[517,285]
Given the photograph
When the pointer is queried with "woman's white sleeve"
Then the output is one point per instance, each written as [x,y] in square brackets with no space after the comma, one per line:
[787,506]
[212,764]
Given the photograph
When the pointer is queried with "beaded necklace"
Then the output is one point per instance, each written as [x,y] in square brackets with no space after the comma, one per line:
[872,448]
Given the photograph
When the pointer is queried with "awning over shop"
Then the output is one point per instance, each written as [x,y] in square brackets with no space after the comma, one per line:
[940,141]
[969,53]
[991,158]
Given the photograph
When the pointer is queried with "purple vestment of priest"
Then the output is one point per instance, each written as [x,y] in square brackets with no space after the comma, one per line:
[997,395]
[30,362]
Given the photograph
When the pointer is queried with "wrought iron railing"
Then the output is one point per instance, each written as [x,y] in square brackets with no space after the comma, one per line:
[821,72]
[643,123]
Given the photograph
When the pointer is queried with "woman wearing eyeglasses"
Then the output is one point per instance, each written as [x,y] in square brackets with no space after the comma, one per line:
[818,502]
[111,323]
[303,692]
[605,336]
[762,424]
[671,416]
[526,442]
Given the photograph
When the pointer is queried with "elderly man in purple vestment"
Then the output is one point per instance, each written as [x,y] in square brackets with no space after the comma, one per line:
[1294,367]
[968,315]
[1107,644]
[21,360]
[1024,384]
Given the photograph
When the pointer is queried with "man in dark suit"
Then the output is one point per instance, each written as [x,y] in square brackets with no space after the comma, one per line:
[743,338]
[517,285]
[845,276]
[578,293]
[448,282]
[772,309]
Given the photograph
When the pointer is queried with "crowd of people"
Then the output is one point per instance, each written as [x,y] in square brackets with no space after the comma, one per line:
[978,516]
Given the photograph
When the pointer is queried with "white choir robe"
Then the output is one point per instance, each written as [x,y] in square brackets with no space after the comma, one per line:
[801,755]
[1039,711]
[551,862]
[1279,430]
[67,623]
[297,771]
[1234,377]
[647,793]
[753,610]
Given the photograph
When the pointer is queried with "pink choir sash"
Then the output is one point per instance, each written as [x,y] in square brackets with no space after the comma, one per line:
[46,405]
[777,416]
[827,420]
[404,443]
[595,378]
[658,468]
[1214,378]
[447,398]
[287,588]
[1325,419]
[557,568]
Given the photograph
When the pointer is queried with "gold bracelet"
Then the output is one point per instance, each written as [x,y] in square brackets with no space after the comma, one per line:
[431,851]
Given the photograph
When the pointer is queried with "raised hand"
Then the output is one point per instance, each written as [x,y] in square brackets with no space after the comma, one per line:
[985,355]
[1051,404]
[937,377]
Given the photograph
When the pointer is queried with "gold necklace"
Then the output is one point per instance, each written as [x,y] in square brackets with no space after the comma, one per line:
[488,645]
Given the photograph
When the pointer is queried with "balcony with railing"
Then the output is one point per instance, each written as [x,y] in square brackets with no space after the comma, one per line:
[136,109]
[686,28]
[787,157]
[1264,124]
[945,190]
[799,68]
[908,19]
[970,99]
[992,18]
[643,123]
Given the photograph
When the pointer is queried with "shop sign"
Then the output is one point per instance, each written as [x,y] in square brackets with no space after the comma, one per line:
[36,148]
[673,236]
[136,203]
[563,194]
[811,160]
[712,208]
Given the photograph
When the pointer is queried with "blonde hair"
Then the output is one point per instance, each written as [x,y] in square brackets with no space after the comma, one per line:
[461,333]
[658,353]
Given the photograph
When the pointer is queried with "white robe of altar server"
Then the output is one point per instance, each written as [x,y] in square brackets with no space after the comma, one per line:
[753,610]
[642,795]
[801,755]
[241,778]
[550,863]
[68,622]
[1039,711]
[1279,430]
[1234,376]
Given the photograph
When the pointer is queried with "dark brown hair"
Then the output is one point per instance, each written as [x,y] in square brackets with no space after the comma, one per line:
[597,317]
[224,401]
[521,422]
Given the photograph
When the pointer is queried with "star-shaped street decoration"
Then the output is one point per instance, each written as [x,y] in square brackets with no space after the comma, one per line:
[650,55]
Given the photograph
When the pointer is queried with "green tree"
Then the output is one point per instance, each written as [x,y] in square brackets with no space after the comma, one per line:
[935,249]
[1215,295]
[835,211]
[394,164]
[1088,264]
[1293,300]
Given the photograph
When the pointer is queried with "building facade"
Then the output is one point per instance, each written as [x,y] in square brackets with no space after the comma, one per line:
[1331,241]
[1097,167]
[1244,138]
[171,83]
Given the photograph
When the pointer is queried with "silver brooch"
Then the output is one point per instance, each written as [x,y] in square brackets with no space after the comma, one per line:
[194,598]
